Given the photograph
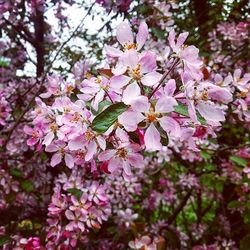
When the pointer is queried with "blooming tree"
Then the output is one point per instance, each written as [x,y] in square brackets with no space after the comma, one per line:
[147,147]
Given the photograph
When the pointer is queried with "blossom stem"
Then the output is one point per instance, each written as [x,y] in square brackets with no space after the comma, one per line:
[163,78]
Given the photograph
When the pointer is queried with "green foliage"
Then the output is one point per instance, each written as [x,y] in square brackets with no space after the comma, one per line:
[238,160]
[75,191]
[107,118]
[3,240]
[16,172]
[27,186]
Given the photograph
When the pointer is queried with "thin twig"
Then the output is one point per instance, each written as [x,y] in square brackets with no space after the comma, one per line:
[43,78]
[163,78]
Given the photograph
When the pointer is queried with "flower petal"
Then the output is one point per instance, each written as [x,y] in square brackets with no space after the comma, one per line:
[56,159]
[117,82]
[69,160]
[165,104]
[151,78]
[113,52]
[142,35]
[124,33]
[210,112]
[152,138]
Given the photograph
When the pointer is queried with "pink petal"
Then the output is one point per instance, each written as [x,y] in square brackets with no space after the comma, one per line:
[69,160]
[152,138]
[148,62]
[69,215]
[220,94]
[51,148]
[48,138]
[101,142]
[91,150]
[113,52]
[140,104]
[142,35]
[181,39]
[131,92]
[77,143]
[106,155]
[117,82]
[126,167]
[151,78]
[32,141]
[170,87]
[130,58]
[56,159]
[114,164]
[28,130]
[210,112]
[165,104]
[119,69]
[124,33]
[171,126]
[171,38]
[98,98]
[136,160]
[130,119]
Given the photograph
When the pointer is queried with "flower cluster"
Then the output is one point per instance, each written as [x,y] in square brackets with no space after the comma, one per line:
[75,208]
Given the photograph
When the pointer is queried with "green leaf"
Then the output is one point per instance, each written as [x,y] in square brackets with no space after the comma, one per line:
[16,172]
[182,109]
[158,33]
[205,155]
[107,118]
[3,240]
[4,62]
[164,136]
[238,160]
[75,191]
[27,186]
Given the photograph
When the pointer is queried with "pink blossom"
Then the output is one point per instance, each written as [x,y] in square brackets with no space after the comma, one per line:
[125,37]
[61,151]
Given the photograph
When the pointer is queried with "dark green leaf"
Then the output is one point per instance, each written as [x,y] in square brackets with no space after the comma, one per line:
[75,191]
[107,118]
[238,160]
[3,240]
[27,186]
[16,172]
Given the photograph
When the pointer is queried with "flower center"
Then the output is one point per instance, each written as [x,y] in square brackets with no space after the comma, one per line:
[128,46]
[89,135]
[136,72]
[152,116]
[122,153]
[53,127]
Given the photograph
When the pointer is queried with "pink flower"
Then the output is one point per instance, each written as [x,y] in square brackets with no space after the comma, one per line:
[36,135]
[82,205]
[189,55]
[90,141]
[53,87]
[145,242]
[202,97]
[139,68]
[77,220]
[94,89]
[97,193]
[126,39]
[58,204]
[123,156]
[153,115]
[61,149]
